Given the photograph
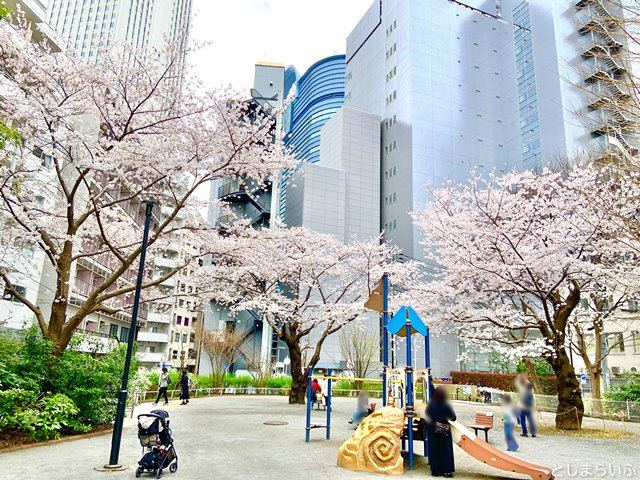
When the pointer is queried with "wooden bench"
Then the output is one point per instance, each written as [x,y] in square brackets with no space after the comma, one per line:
[484,421]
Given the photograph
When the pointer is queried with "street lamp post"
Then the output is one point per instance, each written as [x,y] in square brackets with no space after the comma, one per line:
[122,396]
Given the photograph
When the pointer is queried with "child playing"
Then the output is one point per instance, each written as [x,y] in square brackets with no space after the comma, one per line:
[362,408]
[509,420]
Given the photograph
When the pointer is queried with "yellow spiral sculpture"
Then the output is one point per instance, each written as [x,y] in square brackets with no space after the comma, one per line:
[375,446]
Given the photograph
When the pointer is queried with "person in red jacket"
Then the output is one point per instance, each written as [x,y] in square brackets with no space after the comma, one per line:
[315,389]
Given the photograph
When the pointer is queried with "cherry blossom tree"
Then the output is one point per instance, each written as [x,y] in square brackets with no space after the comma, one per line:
[307,285]
[92,143]
[515,255]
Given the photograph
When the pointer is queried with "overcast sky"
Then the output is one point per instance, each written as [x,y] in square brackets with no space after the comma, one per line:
[292,32]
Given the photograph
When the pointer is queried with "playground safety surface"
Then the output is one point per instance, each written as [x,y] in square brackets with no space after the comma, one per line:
[226,438]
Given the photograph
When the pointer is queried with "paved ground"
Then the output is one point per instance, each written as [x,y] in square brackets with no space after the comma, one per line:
[225,438]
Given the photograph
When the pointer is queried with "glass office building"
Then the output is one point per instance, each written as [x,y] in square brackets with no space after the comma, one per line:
[319,95]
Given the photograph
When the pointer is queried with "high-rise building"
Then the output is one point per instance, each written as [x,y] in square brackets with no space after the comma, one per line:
[86,26]
[483,86]
[319,94]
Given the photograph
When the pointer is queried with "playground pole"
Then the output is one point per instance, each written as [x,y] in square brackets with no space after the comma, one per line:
[427,362]
[409,407]
[329,404]
[385,337]
[309,387]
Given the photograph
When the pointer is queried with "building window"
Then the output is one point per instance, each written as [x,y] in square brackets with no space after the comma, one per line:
[186,321]
[113,331]
[615,342]
[124,334]
[174,355]
[636,342]
[185,338]
[633,305]
[7,295]
[179,320]
[176,337]
[152,349]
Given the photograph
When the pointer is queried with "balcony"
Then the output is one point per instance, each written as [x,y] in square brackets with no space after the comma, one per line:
[154,337]
[615,146]
[169,282]
[150,357]
[166,262]
[154,317]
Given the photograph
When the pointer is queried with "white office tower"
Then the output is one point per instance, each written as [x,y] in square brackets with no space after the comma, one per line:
[484,86]
[86,26]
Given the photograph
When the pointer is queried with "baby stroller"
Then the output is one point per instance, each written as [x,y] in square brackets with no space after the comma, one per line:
[157,445]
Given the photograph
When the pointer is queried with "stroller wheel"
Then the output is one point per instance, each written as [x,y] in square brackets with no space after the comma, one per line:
[138,472]
[159,473]
[173,467]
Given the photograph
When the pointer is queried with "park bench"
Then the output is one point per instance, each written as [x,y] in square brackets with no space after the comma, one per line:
[484,422]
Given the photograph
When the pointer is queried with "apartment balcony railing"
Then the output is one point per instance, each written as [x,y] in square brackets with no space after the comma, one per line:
[166,262]
[153,337]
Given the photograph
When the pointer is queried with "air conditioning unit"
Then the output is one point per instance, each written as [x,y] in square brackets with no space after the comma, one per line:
[615,370]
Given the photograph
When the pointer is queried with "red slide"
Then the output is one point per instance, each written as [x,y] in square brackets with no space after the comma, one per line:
[488,454]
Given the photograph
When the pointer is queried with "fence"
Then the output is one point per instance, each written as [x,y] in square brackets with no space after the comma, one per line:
[604,408]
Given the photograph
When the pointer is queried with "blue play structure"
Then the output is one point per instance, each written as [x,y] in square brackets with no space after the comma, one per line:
[404,323]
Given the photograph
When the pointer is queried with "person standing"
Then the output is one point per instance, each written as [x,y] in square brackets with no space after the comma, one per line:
[509,419]
[440,442]
[185,383]
[163,385]
[324,388]
[527,408]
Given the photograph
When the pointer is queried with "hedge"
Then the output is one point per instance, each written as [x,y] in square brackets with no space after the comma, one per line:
[501,381]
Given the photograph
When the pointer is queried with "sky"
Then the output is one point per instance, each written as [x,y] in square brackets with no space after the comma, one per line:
[292,32]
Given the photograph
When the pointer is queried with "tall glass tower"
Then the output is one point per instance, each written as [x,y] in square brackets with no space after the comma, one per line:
[319,95]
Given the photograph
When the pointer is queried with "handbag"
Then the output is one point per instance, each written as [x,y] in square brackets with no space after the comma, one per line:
[442,428]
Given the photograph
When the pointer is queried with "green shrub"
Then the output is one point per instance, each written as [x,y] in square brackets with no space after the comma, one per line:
[42,418]
[242,381]
[630,390]
[279,382]
[44,395]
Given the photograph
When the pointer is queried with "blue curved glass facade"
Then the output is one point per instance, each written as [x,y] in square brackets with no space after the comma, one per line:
[319,95]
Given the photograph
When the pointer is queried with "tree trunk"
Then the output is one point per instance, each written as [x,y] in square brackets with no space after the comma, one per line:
[299,376]
[570,407]
[595,375]
[533,375]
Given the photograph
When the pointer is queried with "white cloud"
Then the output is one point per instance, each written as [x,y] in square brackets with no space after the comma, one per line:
[292,32]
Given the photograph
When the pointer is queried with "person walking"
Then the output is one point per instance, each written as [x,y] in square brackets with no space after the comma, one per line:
[509,419]
[163,385]
[185,383]
[440,442]
[526,403]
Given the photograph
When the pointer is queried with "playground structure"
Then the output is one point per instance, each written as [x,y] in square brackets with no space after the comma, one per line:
[399,390]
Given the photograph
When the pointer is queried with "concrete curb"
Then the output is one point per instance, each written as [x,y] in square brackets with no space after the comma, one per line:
[68,438]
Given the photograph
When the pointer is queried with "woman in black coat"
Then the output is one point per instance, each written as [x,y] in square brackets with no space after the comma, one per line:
[440,443]
[184,387]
